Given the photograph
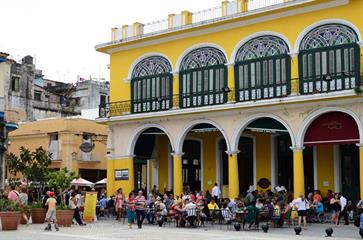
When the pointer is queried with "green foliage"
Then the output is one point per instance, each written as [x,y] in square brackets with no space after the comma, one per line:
[62,207]
[37,205]
[8,206]
[32,165]
[61,179]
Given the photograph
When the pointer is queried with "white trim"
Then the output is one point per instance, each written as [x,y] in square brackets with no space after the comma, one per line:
[201,159]
[223,27]
[133,138]
[142,57]
[170,169]
[183,133]
[323,22]
[239,130]
[315,166]
[274,163]
[315,114]
[255,35]
[337,169]
[233,106]
[196,46]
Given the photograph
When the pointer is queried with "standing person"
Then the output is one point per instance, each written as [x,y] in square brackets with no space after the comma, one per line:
[13,195]
[119,203]
[51,213]
[335,206]
[23,199]
[216,193]
[343,209]
[140,208]
[73,206]
[301,205]
[130,209]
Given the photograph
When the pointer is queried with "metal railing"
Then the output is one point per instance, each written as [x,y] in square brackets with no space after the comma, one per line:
[122,108]
[126,107]
[206,16]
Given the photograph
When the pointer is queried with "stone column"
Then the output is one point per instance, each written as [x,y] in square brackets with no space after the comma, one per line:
[127,185]
[298,169]
[233,178]
[225,8]
[178,178]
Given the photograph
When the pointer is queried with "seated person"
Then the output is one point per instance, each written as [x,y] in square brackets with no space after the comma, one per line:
[213,205]
[226,213]
[103,203]
[191,213]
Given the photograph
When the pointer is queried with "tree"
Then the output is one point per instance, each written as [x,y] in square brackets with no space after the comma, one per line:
[32,165]
[61,180]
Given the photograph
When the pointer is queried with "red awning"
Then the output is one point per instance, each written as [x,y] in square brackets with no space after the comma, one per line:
[332,128]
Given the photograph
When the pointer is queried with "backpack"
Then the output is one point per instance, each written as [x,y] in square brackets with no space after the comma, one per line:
[357,221]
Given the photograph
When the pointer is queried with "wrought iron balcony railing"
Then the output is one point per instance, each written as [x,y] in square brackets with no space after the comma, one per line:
[161,104]
[229,95]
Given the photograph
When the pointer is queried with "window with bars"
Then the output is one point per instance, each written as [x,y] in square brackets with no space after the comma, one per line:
[329,59]
[203,77]
[151,85]
[262,69]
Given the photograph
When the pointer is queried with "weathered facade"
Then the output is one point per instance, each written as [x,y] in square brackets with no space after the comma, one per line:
[239,95]
[28,96]
[63,137]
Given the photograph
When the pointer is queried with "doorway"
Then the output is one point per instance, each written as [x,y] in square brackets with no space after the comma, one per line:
[350,171]
[191,164]
[245,163]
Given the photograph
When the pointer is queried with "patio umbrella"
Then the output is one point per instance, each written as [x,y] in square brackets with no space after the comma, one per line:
[103,181]
[80,182]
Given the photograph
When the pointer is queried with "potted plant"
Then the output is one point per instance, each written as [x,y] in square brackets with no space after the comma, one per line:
[10,214]
[34,168]
[61,180]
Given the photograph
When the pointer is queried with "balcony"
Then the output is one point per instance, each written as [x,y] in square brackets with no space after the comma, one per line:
[336,84]
[186,20]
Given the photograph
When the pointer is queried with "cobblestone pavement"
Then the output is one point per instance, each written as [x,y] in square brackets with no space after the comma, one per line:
[110,230]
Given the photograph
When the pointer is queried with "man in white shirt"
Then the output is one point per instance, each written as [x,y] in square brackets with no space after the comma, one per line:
[216,192]
[343,212]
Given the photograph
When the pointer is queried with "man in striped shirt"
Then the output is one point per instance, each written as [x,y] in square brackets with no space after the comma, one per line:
[140,208]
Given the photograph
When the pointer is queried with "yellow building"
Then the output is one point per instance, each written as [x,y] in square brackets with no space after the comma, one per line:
[63,138]
[241,95]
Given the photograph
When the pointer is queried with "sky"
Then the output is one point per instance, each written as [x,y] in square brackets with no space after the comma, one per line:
[61,34]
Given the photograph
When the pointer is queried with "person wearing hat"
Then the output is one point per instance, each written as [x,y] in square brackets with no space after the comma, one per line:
[51,213]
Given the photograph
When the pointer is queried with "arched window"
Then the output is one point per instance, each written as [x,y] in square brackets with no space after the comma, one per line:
[151,85]
[329,59]
[262,69]
[203,76]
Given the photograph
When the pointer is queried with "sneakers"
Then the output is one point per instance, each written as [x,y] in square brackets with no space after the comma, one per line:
[56,228]
[48,228]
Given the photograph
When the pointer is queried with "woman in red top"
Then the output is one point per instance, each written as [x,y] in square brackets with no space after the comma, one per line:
[119,203]
[131,208]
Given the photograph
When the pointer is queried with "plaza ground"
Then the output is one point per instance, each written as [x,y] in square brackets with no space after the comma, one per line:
[109,230]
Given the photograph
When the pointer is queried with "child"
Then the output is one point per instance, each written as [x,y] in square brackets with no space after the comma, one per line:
[51,213]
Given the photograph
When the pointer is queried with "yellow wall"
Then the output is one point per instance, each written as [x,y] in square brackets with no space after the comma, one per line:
[120,62]
[263,156]
[126,185]
[36,134]
[163,163]
[325,167]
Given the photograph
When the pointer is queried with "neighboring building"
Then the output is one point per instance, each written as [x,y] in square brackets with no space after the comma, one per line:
[90,94]
[239,95]
[28,96]
[63,137]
